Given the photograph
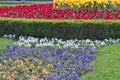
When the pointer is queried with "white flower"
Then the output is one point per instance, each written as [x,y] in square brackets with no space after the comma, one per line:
[103,44]
[59,43]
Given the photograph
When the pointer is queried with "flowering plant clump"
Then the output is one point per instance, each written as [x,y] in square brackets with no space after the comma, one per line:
[87,3]
[46,11]
[45,63]
[59,43]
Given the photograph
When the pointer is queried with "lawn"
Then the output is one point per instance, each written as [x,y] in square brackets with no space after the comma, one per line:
[107,65]
[4,43]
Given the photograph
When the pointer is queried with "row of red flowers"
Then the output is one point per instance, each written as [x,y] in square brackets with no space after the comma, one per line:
[46,11]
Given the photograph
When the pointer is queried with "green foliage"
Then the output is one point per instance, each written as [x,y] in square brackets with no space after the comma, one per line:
[106,66]
[65,29]
[10,4]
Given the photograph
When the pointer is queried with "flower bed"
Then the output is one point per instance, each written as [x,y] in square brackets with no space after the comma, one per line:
[33,58]
[46,11]
[47,63]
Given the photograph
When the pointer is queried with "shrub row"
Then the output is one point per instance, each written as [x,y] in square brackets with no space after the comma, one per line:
[65,29]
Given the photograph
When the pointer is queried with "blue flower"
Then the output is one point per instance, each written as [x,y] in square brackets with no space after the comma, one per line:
[87,58]
[5,57]
[62,76]
[73,75]
[20,50]
[59,51]
[62,63]
[8,47]
[31,59]
[52,77]
[93,49]
[81,66]
[72,62]
[52,60]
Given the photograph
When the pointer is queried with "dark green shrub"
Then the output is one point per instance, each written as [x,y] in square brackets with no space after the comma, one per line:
[65,29]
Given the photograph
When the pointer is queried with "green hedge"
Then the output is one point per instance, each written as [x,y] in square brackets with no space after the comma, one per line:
[65,29]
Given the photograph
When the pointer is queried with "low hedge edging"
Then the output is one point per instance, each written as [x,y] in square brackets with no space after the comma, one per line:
[65,29]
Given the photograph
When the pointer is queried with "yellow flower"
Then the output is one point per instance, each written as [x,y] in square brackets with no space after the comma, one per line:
[18,66]
[0,65]
[38,67]
[9,78]
[10,59]
[2,72]
[34,71]
[12,74]
[45,72]
[26,69]
[15,72]
[50,65]
[73,3]
[4,76]
[33,77]
[32,65]
[44,69]
[13,68]
[8,72]
[22,63]
[104,6]
[40,63]
[71,6]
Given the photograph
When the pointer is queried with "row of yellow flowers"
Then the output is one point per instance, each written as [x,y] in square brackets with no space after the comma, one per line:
[78,3]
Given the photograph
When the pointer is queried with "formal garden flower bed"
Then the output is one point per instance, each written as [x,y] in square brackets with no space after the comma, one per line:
[47,11]
[46,62]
